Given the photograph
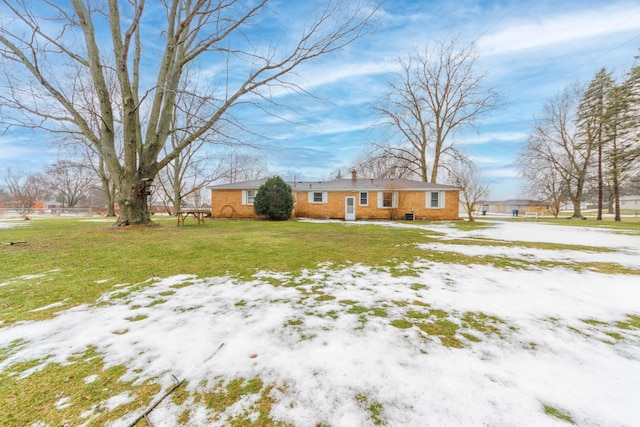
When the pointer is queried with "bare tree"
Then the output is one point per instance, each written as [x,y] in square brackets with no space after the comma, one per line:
[69,182]
[75,147]
[378,164]
[44,51]
[187,175]
[4,196]
[437,93]
[542,181]
[25,191]
[555,143]
[238,166]
[473,192]
[191,169]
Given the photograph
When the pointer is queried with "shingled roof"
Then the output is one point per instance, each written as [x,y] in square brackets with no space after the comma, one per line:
[361,184]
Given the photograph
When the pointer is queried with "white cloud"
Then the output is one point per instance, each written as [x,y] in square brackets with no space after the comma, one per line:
[560,29]
[485,137]
[501,172]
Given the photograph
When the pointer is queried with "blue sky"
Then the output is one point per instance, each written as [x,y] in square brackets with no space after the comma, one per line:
[529,50]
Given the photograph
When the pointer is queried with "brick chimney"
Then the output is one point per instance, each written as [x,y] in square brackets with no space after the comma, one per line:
[353,175]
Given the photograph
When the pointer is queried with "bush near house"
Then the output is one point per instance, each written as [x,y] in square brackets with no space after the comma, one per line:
[274,199]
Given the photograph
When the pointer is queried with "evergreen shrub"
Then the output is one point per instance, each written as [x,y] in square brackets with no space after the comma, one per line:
[274,199]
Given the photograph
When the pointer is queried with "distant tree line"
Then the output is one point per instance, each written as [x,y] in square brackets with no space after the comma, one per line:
[585,146]
[75,183]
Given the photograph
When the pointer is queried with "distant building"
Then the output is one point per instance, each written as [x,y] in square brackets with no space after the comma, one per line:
[515,207]
[630,202]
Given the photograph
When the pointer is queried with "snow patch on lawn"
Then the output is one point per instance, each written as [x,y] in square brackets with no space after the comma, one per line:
[91,378]
[532,254]
[47,307]
[62,403]
[4,224]
[327,342]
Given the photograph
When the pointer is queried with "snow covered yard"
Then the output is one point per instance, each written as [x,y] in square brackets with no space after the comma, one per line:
[419,344]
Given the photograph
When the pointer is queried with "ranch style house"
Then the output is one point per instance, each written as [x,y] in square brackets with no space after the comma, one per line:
[347,199]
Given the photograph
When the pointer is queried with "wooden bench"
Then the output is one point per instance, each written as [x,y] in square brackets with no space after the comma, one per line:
[198,214]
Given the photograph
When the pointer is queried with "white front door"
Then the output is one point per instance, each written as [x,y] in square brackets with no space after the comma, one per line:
[350,208]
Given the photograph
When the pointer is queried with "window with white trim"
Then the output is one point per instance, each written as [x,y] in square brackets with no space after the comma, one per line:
[364,198]
[387,199]
[248,196]
[435,199]
[317,197]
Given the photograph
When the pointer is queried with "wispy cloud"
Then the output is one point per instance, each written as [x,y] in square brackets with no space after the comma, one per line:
[571,27]
[486,137]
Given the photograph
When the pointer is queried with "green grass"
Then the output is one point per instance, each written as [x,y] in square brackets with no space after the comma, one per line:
[80,261]
[451,327]
[67,262]
[375,409]
[27,400]
[618,330]
[557,413]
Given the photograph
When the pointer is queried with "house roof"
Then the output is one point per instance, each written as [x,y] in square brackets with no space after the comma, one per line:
[361,184]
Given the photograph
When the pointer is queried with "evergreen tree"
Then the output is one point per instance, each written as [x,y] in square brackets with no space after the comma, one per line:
[591,121]
[274,199]
[623,122]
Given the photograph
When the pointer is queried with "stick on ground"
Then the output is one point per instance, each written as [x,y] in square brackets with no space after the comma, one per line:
[152,407]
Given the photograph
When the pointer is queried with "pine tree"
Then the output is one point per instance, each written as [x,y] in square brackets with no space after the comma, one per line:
[623,122]
[591,121]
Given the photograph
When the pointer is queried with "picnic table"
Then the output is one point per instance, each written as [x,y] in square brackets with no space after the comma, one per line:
[198,214]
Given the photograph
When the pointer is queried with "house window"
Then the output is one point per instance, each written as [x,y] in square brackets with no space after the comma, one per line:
[435,199]
[364,198]
[387,199]
[317,197]
[248,196]
[251,195]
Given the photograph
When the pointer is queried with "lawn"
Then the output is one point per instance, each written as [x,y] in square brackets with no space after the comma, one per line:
[319,323]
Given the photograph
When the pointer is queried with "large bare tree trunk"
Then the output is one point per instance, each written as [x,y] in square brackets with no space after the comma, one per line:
[135,123]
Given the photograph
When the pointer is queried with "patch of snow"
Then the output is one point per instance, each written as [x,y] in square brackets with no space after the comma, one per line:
[62,403]
[516,252]
[108,405]
[117,400]
[90,379]
[47,307]
[330,363]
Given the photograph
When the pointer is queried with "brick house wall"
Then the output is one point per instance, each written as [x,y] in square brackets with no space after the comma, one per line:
[374,199]
[407,202]
[228,204]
